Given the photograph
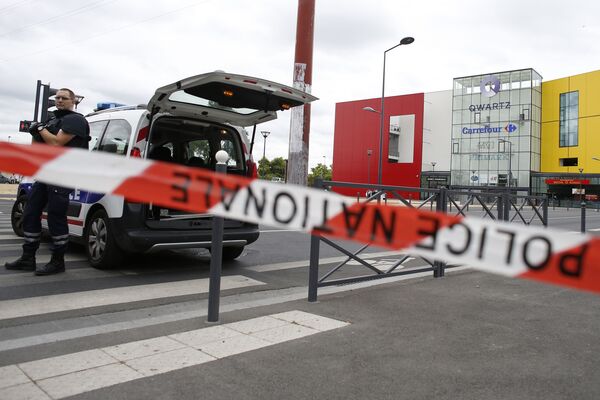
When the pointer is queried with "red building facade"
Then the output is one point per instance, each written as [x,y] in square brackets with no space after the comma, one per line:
[356,135]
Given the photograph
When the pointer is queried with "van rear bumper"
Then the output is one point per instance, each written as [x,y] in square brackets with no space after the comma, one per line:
[149,241]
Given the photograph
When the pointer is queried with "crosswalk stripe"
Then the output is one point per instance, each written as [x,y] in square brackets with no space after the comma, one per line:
[102,297]
[71,274]
[43,258]
[305,263]
[77,373]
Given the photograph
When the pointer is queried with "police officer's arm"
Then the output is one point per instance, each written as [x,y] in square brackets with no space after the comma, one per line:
[60,139]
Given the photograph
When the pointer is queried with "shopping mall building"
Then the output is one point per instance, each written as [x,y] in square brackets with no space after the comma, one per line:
[491,130]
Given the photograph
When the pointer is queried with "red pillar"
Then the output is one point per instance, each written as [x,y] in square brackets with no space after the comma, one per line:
[300,120]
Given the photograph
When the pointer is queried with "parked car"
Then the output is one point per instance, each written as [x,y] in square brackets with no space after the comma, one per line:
[185,123]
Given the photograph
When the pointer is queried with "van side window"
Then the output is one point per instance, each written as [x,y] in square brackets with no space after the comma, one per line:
[96,131]
[116,137]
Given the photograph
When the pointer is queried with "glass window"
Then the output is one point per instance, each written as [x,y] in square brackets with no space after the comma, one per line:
[455,148]
[235,157]
[569,123]
[96,131]
[198,153]
[116,137]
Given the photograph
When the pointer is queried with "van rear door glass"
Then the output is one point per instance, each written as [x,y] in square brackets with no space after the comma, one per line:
[233,151]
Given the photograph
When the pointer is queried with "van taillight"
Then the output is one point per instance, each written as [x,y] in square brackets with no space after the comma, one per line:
[135,152]
[252,170]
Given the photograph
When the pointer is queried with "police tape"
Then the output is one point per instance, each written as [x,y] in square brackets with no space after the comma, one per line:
[498,247]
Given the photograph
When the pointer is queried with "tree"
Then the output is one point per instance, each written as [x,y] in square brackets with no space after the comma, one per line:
[321,171]
[278,168]
[264,169]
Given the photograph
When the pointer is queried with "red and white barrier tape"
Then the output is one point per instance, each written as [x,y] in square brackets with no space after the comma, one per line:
[497,247]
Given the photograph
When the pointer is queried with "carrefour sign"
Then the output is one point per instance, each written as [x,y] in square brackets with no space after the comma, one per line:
[489,129]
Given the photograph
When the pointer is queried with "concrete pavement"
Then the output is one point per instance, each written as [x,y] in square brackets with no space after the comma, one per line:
[468,335]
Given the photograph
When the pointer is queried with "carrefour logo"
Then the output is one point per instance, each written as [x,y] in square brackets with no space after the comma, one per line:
[489,129]
[490,86]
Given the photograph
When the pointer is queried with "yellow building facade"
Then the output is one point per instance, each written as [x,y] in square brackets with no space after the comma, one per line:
[570,128]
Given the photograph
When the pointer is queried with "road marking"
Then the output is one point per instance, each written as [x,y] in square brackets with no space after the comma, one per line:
[20,278]
[102,297]
[41,259]
[281,230]
[139,318]
[81,372]
[306,263]
[13,236]
[383,263]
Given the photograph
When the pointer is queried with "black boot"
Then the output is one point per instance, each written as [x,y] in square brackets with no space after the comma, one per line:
[55,266]
[25,263]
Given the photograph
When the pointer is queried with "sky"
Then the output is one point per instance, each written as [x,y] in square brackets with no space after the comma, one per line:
[121,51]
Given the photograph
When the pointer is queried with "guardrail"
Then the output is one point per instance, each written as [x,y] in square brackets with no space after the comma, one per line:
[504,206]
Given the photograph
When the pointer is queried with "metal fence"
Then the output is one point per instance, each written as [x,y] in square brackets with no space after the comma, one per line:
[503,206]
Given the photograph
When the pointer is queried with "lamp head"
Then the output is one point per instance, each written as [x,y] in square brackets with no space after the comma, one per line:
[370,109]
[407,40]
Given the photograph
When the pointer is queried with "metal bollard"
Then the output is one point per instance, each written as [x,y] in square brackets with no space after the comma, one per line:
[438,269]
[583,217]
[216,251]
[313,269]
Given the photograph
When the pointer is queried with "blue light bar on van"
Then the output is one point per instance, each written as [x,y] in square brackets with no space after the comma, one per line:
[105,106]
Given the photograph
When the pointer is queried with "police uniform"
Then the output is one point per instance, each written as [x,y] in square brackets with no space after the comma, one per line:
[56,199]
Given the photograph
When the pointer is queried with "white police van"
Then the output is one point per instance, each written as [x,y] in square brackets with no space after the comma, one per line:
[185,123]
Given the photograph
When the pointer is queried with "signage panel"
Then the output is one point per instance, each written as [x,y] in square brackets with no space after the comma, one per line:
[567,181]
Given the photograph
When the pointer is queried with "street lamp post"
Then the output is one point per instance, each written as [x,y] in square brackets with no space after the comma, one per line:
[405,41]
[509,159]
[582,198]
[369,152]
[433,163]
[265,134]
[580,183]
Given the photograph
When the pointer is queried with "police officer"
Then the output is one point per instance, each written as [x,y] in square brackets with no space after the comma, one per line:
[69,129]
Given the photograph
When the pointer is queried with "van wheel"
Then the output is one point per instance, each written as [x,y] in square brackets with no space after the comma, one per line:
[100,244]
[16,214]
[231,253]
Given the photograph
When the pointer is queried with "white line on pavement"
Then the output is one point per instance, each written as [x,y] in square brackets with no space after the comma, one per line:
[280,230]
[77,373]
[41,259]
[195,309]
[94,298]
[305,263]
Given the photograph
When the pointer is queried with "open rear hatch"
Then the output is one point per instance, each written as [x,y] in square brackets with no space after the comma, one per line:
[226,98]
[192,120]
